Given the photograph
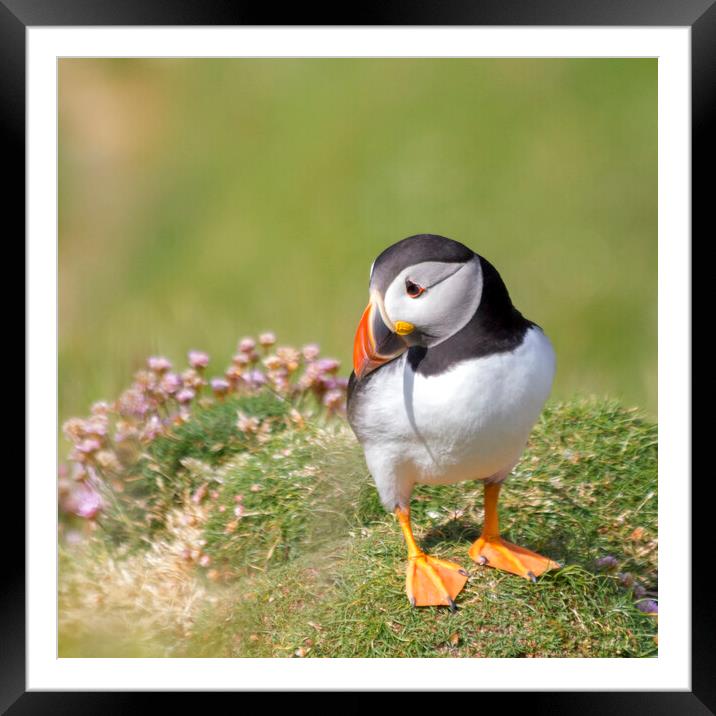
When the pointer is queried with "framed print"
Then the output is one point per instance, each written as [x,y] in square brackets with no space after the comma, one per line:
[214,499]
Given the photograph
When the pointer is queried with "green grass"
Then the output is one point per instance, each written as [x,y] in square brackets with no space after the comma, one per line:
[201,200]
[314,567]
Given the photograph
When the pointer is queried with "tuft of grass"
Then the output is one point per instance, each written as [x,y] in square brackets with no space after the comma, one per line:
[288,553]
[299,492]
[212,435]
[179,462]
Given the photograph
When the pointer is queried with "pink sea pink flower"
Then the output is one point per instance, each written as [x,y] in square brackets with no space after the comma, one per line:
[304,383]
[79,472]
[273,363]
[290,357]
[233,374]
[153,429]
[198,359]
[311,351]
[185,395]
[328,365]
[74,429]
[159,364]
[247,345]
[254,378]
[97,425]
[279,380]
[64,487]
[133,403]
[108,460]
[328,382]
[267,339]
[88,446]
[124,431]
[170,383]
[85,501]
[192,379]
[145,380]
[333,400]
[220,386]
[101,407]
[309,377]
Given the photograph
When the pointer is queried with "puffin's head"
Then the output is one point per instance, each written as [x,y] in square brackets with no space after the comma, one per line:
[423,290]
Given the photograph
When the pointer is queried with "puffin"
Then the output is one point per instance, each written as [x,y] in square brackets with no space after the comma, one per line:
[448,381]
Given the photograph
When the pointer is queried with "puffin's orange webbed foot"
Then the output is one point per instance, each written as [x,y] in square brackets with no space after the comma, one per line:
[492,550]
[501,554]
[431,582]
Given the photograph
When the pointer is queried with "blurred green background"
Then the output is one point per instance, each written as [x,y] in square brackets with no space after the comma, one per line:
[202,200]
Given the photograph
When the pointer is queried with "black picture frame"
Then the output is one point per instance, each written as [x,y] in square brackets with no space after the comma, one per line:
[699,15]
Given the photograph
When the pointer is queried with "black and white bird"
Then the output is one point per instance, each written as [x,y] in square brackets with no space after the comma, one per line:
[449,378]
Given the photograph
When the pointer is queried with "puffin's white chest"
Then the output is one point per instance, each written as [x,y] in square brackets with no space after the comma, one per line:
[470,422]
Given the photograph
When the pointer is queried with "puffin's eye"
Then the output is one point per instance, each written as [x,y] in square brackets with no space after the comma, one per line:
[412,288]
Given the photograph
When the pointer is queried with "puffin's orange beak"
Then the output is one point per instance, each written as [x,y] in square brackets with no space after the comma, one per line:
[375,343]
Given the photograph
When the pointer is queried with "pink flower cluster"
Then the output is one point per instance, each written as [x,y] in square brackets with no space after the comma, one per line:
[288,371]
[107,441]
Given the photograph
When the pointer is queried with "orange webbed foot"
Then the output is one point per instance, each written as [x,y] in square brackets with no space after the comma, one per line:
[432,582]
[501,554]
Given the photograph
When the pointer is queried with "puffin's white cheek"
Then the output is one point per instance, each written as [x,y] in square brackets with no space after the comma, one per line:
[397,308]
[436,315]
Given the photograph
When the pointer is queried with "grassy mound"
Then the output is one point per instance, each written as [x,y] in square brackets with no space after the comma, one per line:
[273,543]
